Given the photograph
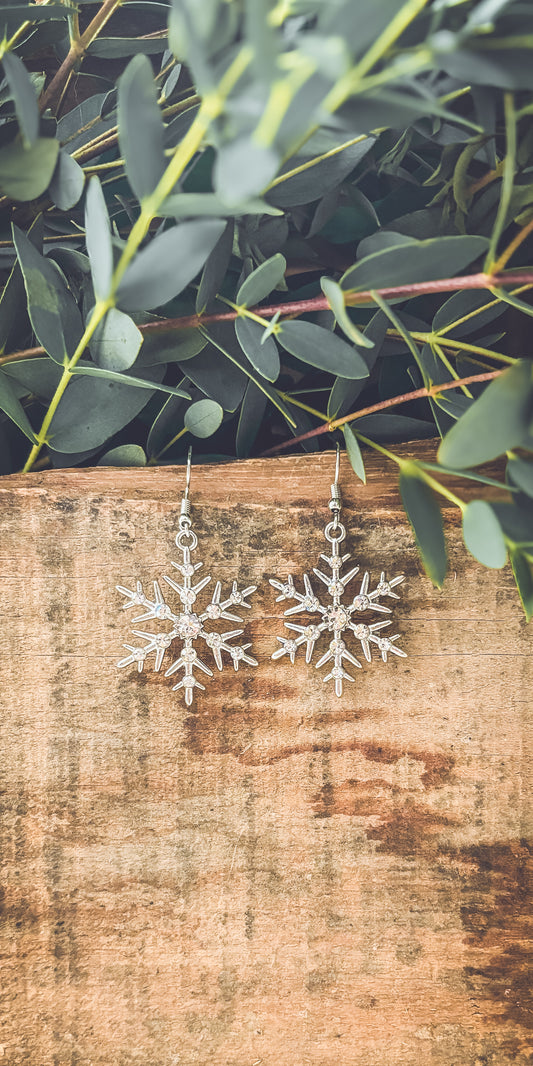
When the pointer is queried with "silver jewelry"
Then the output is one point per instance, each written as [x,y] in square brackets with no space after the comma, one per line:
[337,618]
[187,626]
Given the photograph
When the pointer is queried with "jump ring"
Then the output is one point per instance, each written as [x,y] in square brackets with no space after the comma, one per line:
[334,533]
[186,538]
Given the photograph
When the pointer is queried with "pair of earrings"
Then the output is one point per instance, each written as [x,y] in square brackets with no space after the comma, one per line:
[335,618]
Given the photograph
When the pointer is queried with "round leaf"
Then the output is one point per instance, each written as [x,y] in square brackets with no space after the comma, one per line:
[418,261]
[203,418]
[25,173]
[67,183]
[124,455]
[140,126]
[116,341]
[483,534]
[93,409]
[322,349]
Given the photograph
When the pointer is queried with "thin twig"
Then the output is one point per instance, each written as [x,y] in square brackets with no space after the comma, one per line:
[393,401]
[53,93]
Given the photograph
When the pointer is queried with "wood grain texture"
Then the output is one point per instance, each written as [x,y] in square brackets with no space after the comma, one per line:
[281,878]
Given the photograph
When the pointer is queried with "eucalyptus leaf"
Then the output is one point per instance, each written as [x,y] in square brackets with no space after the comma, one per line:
[261,281]
[168,264]
[407,264]
[124,455]
[132,381]
[425,517]
[116,341]
[25,173]
[12,407]
[94,408]
[335,297]
[141,134]
[520,473]
[495,423]
[68,181]
[354,452]
[215,269]
[243,169]
[217,377]
[523,576]
[483,534]
[24,97]
[320,348]
[262,353]
[52,308]
[250,418]
[167,424]
[98,238]
[203,418]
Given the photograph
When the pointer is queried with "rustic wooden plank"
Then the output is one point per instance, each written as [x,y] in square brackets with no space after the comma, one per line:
[280,878]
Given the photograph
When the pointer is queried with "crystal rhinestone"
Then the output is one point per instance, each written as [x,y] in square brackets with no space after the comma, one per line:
[337,646]
[163,640]
[291,646]
[162,611]
[337,672]
[187,569]
[362,632]
[237,653]
[213,610]
[139,655]
[138,598]
[383,588]
[189,625]
[311,632]
[383,644]
[361,603]
[188,597]
[213,640]
[310,603]
[287,589]
[188,655]
[336,588]
[236,597]
[188,681]
[337,617]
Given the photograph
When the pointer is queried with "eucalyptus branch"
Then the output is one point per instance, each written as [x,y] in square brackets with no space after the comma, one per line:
[53,93]
[383,405]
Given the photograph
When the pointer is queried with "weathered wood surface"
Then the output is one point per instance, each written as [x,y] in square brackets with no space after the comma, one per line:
[281,878]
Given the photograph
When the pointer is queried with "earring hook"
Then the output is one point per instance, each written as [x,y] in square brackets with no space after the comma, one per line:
[185,511]
[188,475]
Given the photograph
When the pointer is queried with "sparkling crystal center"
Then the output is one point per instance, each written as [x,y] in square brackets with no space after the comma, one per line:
[337,617]
[189,625]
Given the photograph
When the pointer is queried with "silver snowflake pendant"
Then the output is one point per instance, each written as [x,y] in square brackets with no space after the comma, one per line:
[188,625]
[338,619]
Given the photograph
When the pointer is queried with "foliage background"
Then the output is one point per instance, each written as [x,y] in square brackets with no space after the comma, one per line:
[268,224]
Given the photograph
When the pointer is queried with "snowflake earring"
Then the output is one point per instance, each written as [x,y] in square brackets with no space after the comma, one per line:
[187,626]
[337,618]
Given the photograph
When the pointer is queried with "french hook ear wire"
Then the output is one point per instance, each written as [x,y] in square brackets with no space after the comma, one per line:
[335,503]
[185,511]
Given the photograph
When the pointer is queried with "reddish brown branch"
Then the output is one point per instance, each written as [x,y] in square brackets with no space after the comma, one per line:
[393,401]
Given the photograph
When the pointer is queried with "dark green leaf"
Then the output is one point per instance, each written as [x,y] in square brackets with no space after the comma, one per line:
[166,425]
[223,337]
[67,183]
[205,204]
[118,47]
[215,269]
[483,535]
[12,407]
[251,415]
[175,346]
[93,409]
[496,422]
[424,515]
[462,305]
[407,264]
[52,308]
[259,284]
[524,581]
[23,94]
[124,455]
[323,349]
[510,298]
[345,390]
[116,341]
[393,427]
[354,452]
[131,380]
[98,239]
[13,299]
[39,376]
[316,175]
[203,418]
[168,264]
[140,127]
[25,173]
[263,354]
[217,377]
[520,473]
[243,169]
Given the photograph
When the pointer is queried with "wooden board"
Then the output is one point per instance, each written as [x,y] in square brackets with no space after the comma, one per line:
[282,878]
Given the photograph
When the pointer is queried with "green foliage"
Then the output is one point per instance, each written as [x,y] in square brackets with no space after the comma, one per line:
[244,220]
